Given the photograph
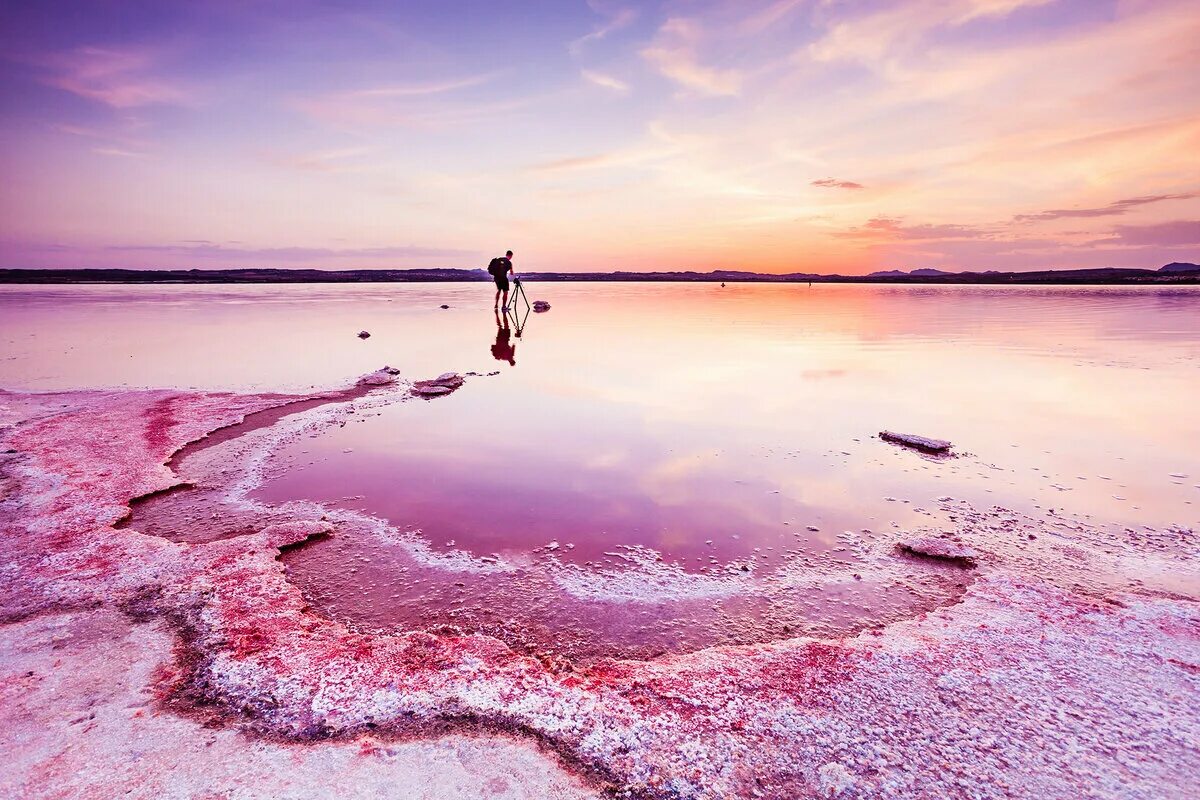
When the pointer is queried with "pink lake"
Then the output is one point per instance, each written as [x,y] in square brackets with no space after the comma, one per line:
[665,433]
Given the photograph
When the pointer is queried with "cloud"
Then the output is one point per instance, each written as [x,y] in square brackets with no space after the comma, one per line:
[605,81]
[889,229]
[340,160]
[117,152]
[1168,234]
[618,158]
[291,254]
[660,146]
[417,105]
[1111,210]
[108,142]
[201,253]
[117,78]
[833,183]
[873,37]
[994,8]
[422,89]
[614,21]
[674,54]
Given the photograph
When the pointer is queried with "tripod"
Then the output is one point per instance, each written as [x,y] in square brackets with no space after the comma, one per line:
[512,311]
[518,291]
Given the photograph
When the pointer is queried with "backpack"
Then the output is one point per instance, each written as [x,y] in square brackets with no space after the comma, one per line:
[497,267]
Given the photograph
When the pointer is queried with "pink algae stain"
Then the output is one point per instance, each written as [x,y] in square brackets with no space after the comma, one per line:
[159,420]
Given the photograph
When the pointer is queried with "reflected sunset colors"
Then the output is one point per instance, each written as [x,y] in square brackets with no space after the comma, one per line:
[636,428]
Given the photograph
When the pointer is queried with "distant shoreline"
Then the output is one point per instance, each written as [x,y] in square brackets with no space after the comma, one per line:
[1171,274]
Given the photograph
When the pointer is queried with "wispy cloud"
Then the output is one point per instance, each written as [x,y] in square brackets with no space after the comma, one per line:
[117,152]
[432,104]
[605,81]
[346,159]
[201,249]
[834,183]
[618,158]
[1176,232]
[207,254]
[660,145]
[109,142]
[890,228]
[120,78]
[423,89]
[614,20]
[851,133]
[874,38]
[1113,209]
[674,53]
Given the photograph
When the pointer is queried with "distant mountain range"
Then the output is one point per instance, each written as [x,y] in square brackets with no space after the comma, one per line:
[1175,273]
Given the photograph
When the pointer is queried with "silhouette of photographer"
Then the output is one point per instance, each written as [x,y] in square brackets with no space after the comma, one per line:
[504,349]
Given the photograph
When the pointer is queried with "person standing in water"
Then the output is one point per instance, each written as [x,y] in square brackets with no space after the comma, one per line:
[499,270]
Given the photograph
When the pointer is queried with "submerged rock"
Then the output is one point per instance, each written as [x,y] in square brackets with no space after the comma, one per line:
[922,443]
[935,547]
[540,305]
[380,377]
[429,390]
[441,385]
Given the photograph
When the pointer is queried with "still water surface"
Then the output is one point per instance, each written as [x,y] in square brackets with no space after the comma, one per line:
[702,425]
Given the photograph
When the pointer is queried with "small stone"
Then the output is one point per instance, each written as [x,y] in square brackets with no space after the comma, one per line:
[431,390]
[443,384]
[935,547]
[364,334]
[380,377]
[922,443]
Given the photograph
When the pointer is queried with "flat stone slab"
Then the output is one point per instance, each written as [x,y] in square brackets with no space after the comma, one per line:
[935,547]
[922,443]
[380,377]
[441,385]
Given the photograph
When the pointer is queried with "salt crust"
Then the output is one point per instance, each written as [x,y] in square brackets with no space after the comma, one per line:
[1025,688]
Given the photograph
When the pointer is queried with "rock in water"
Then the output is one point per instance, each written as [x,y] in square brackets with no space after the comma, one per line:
[442,384]
[380,377]
[445,306]
[430,390]
[935,547]
[364,334]
[540,306]
[922,443]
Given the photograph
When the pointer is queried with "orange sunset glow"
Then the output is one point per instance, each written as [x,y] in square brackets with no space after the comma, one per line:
[773,136]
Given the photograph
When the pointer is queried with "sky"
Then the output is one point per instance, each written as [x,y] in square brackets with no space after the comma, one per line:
[773,135]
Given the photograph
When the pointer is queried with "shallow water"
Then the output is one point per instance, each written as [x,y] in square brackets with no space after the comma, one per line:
[692,426]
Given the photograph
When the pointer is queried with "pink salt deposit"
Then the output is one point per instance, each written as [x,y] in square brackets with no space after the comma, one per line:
[938,547]
[135,665]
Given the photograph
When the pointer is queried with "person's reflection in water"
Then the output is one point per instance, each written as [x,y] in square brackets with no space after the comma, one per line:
[503,349]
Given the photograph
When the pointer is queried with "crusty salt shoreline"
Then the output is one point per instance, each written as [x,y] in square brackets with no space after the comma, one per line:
[1033,685]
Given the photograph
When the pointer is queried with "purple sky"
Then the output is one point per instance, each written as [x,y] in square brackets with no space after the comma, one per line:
[778,136]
